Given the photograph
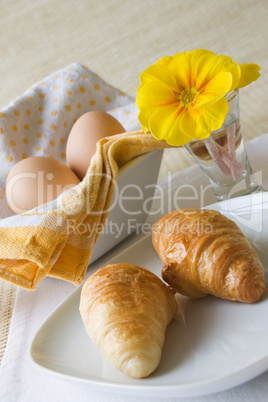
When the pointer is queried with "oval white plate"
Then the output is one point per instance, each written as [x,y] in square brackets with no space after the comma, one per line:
[220,345]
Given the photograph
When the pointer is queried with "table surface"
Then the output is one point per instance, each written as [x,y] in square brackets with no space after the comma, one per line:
[117,40]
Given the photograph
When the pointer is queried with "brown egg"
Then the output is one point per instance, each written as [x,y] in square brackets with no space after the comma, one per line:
[37,180]
[86,132]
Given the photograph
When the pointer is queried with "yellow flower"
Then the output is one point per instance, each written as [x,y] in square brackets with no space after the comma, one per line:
[182,97]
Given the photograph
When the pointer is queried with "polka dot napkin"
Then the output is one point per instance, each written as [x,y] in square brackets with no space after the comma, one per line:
[38,243]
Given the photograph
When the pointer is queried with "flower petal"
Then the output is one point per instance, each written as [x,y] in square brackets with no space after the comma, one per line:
[164,124]
[157,72]
[180,67]
[210,65]
[193,124]
[152,95]
[216,88]
[205,68]
[199,123]
[215,113]
[234,69]
[199,58]
[143,119]
[249,73]
[164,60]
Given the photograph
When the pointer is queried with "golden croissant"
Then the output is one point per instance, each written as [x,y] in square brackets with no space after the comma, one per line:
[204,252]
[126,309]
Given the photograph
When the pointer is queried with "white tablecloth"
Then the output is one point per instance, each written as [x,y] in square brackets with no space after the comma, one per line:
[22,381]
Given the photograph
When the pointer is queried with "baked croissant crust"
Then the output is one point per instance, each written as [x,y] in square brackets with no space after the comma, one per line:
[126,309]
[204,252]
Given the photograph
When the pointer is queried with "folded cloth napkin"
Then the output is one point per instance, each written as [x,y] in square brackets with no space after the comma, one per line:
[39,243]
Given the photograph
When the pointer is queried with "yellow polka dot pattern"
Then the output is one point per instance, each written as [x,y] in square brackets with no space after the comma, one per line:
[38,122]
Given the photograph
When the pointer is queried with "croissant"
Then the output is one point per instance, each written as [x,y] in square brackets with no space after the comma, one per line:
[204,252]
[126,309]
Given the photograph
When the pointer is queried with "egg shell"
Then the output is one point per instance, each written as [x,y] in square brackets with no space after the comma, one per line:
[85,133]
[37,180]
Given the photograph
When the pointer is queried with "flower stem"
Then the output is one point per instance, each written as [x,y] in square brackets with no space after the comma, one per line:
[231,131]
[231,140]
[236,168]
[221,156]
[213,150]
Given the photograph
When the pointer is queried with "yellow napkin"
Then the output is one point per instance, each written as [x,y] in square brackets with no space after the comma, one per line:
[40,241]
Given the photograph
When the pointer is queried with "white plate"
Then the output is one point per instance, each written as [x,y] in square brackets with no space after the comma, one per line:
[222,344]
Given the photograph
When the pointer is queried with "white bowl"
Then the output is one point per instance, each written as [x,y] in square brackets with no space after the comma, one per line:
[132,201]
